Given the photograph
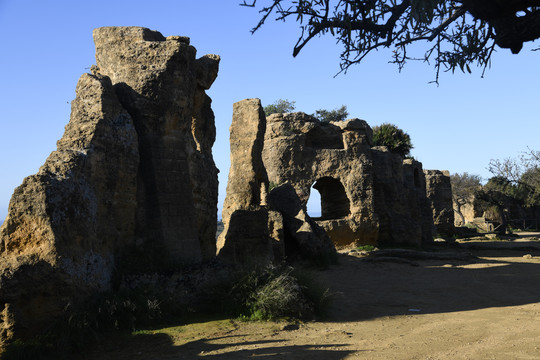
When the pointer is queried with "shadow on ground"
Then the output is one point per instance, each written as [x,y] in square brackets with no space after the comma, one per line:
[162,347]
[364,291]
[496,278]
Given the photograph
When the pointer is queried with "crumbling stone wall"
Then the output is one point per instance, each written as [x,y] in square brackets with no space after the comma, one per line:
[133,171]
[302,151]
[246,238]
[262,226]
[439,194]
[368,194]
[400,199]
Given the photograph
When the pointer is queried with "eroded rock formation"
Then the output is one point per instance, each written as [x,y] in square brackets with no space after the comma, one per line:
[368,194]
[133,172]
[161,84]
[260,226]
[335,159]
[400,199]
[439,194]
[246,238]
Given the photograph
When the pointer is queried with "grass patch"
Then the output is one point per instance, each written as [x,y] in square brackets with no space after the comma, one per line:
[147,301]
[366,248]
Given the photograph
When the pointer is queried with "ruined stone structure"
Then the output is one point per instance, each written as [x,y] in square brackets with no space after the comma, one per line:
[246,238]
[368,194]
[260,226]
[439,194]
[132,172]
[404,212]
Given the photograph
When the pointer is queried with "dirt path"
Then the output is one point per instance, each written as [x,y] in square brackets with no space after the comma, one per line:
[487,308]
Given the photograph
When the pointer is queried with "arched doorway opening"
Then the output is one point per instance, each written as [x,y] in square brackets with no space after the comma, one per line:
[314,203]
[333,201]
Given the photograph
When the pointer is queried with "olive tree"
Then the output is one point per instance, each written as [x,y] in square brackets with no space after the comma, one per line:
[464,188]
[456,33]
[523,173]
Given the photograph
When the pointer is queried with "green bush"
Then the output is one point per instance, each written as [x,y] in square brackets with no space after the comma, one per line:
[389,135]
[276,292]
[366,248]
[279,107]
[338,114]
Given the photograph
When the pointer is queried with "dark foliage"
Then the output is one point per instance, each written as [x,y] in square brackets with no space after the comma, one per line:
[457,33]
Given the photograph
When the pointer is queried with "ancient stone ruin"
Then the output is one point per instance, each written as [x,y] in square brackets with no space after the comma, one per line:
[439,194]
[369,195]
[133,185]
[262,226]
[132,174]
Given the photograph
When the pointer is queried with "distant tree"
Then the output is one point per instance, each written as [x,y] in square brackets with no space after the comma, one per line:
[464,188]
[531,189]
[280,106]
[500,193]
[338,114]
[458,33]
[389,135]
[522,173]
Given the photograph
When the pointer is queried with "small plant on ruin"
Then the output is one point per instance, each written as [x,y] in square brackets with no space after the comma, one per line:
[366,248]
[325,116]
[389,135]
[280,106]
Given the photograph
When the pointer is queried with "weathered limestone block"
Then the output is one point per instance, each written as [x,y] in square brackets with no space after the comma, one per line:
[66,222]
[247,175]
[368,195]
[400,199]
[333,157]
[439,194]
[246,238]
[161,84]
[303,236]
[133,171]
[257,231]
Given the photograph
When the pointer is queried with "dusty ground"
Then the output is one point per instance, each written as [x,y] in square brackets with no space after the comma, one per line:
[486,308]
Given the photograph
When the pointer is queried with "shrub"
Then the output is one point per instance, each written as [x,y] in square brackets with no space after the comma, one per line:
[275,292]
[338,114]
[389,135]
[366,248]
[279,107]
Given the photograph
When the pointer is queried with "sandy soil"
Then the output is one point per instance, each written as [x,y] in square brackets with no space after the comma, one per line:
[485,308]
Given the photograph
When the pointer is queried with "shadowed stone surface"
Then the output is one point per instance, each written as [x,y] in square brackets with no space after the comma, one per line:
[368,195]
[132,174]
[333,157]
[303,237]
[246,238]
[439,194]
[262,227]
[161,84]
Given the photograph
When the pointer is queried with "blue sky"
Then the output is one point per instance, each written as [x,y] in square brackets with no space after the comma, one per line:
[458,126]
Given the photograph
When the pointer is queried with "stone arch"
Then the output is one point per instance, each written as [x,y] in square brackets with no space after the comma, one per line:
[334,201]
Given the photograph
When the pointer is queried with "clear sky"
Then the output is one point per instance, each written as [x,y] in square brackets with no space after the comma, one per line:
[458,126]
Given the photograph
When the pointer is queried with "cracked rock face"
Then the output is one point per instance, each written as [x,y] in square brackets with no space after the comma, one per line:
[260,225]
[368,194]
[335,159]
[132,174]
[439,193]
